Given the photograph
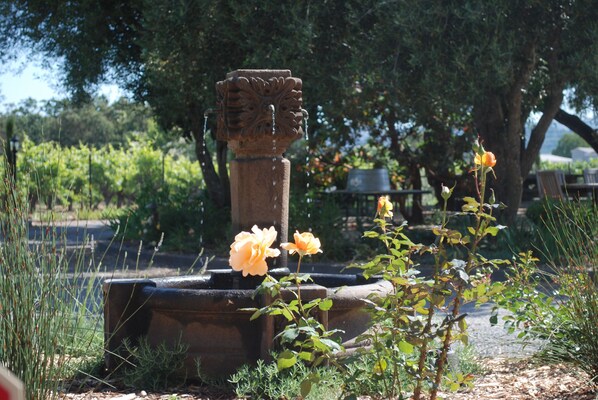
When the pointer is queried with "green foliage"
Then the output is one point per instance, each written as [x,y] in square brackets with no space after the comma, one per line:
[322,215]
[467,361]
[155,367]
[162,190]
[575,167]
[558,303]
[558,306]
[577,218]
[568,142]
[48,309]
[366,375]
[363,376]
[477,52]
[96,123]
[522,236]
[181,218]
[494,59]
[117,174]
[304,337]
[266,381]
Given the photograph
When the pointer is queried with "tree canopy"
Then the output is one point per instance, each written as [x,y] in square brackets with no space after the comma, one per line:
[439,71]
[491,63]
[568,142]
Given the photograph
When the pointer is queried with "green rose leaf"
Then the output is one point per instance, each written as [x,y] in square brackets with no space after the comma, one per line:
[325,304]
[405,347]
[305,388]
[286,359]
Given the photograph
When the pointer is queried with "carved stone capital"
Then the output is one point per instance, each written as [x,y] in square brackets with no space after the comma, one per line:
[245,116]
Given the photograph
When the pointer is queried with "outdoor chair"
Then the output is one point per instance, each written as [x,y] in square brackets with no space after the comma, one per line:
[590,175]
[363,181]
[550,184]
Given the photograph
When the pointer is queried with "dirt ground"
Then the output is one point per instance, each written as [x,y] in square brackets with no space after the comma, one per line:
[525,380]
[510,379]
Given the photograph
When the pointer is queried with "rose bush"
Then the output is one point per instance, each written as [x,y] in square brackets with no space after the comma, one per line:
[414,327]
[303,337]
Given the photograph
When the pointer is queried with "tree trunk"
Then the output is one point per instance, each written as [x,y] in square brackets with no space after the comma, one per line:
[574,123]
[499,120]
[502,136]
[538,134]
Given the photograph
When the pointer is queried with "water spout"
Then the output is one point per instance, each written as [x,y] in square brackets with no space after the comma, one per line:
[203,151]
[273,111]
[308,198]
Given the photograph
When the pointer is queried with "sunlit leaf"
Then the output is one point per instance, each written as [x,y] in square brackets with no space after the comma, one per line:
[325,304]
[405,347]
[306,356]
[380,366]
[286,359]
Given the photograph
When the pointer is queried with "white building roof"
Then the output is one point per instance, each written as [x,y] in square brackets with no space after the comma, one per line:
[583,153]
[554,159]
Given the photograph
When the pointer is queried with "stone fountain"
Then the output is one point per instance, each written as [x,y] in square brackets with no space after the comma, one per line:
[259,115]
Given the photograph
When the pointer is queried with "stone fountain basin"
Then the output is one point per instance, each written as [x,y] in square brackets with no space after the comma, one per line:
[206,312]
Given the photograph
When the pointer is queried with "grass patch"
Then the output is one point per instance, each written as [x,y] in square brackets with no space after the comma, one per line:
[49,311]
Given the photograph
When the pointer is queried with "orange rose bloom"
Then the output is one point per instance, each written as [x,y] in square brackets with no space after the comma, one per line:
[305,243]
[487,159]
[384,209]
[249,251]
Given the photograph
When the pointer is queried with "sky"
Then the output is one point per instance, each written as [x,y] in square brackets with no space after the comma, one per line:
[24,79]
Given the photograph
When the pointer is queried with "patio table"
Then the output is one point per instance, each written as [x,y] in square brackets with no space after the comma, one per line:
[360,200]
[578,189]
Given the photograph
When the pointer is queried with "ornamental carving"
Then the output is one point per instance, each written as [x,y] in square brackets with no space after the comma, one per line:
[245,101]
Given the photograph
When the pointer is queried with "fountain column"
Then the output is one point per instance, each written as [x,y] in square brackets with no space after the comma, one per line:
[259,115]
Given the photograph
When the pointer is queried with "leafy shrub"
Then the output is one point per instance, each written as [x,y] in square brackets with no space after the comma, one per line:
[61,176]
[414,326]
[184,218]
[324,216]
[575,167]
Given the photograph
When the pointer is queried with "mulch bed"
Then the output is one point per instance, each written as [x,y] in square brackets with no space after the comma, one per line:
[525,380]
